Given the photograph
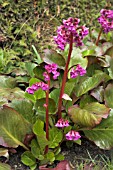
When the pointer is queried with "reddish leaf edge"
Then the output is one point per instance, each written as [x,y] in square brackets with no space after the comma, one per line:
[63,165]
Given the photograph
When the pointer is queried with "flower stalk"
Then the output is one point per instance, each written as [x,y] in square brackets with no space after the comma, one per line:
[65,77]
[47,115]
[97,41]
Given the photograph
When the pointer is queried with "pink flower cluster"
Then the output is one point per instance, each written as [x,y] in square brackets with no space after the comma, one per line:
[70,26]
[62,123]
[51,68]
[37,86]
[106,20]
[71,135]
[78,71]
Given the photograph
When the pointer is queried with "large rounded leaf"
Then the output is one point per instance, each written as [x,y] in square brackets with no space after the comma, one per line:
[102,135]
[13,128]
[90,116]
[51,56]
[91,82]
[38,129]
[39,106]
[110,68]
[4,166]
[8,89]
[108,95]
[25,108]
[76,58]
[55,137]
[38,71]
[98,93]
[109,51]
[28,159]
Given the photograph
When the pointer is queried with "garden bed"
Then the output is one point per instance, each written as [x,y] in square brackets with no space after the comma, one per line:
[88,98]
[85,154]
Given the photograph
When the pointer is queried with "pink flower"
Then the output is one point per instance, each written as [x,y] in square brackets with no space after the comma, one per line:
[44,86]
[46,76]
[72,135]
[51,68]
[70,26]
[30,90]
[56,74]
[45,105]
[106,20]
[62,123]
[78,71]
[37,86]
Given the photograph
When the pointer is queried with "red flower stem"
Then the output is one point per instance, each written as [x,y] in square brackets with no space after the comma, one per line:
[99,36]
[47,116]
[65,77]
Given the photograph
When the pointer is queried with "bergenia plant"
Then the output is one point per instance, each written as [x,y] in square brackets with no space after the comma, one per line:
[70,91]
[68,33]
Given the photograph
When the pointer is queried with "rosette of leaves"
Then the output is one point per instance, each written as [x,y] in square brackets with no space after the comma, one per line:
[90,94]
[38,145]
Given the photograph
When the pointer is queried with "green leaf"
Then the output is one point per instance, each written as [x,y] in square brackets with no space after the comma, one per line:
[102,134]
[77,141]
[4,166]
[1,58]
[38,71]
[76,58]
[38,130]
[43,142]
[13,128]
[70,83]
[29,67]
[25,108]
[103,49]
[91,82]
[38,127]
[35,149]
[55,137]
[39,94]
[28,159]
[30,97]
[8,89]
[108,95]
[55,95]
[22,43]
[85,99]
[50,156]
[40,108]
[110,68]
[109,51]
[33,81]
[51,56]
[5,4]
[98,93]
[33,167]
[7,82]
[88,52]
[59,157]
[90,116]
[39,60]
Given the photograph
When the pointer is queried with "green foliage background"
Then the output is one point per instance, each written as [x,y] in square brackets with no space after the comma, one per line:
[28,22]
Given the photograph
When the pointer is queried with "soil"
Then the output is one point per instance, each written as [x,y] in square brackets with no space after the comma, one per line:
[84,153]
